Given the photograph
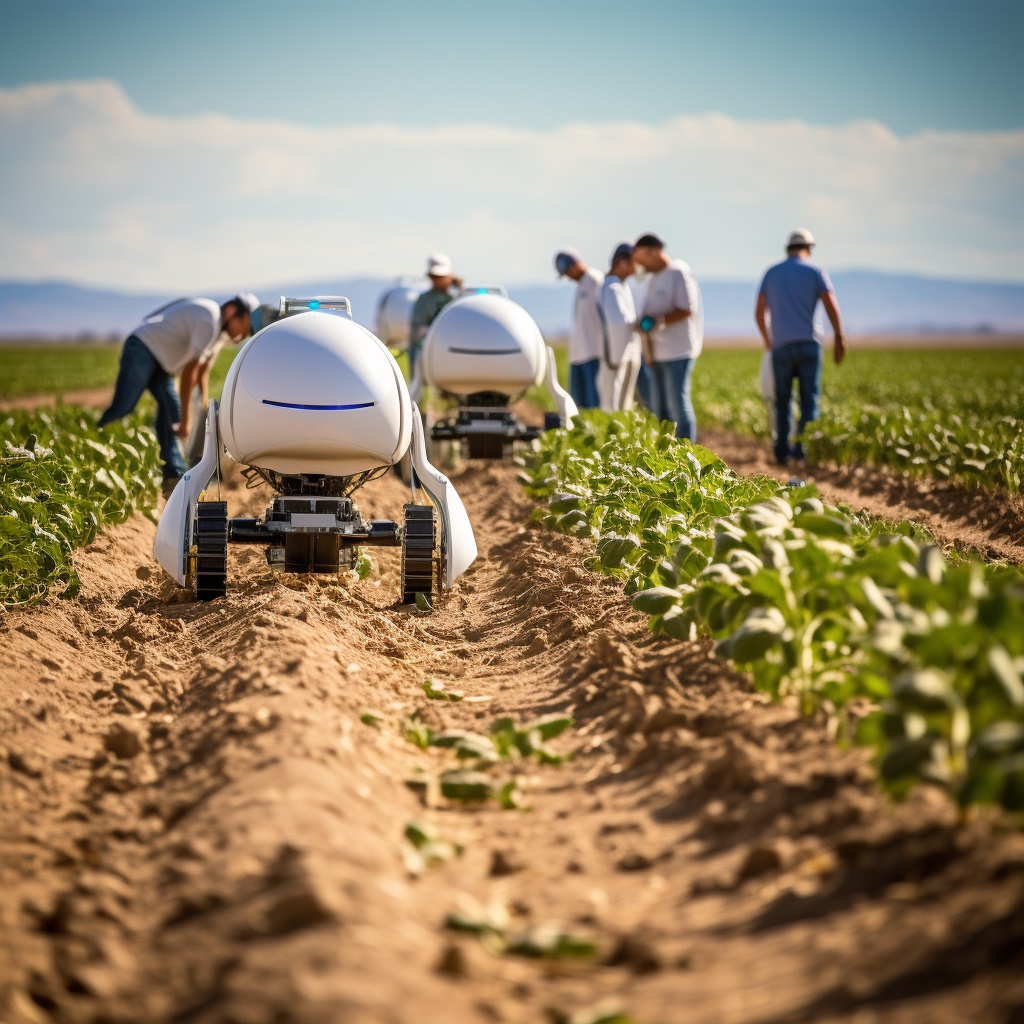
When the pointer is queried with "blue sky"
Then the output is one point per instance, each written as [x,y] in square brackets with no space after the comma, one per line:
[903,119]
[909,64]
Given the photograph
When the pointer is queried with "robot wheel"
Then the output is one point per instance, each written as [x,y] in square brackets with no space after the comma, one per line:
[211,546]
[420,558]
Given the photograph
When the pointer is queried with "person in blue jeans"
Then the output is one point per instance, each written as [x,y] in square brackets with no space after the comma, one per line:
[785,316]
[672,334]
[172,340]
[586,337]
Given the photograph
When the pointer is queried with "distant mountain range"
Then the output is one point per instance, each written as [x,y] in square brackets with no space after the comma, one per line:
[872,303]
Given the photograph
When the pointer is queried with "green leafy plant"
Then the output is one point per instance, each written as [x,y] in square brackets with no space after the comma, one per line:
[426,848]
[435,692]
[61,481]
[948,414]
[545,940]
[812,600]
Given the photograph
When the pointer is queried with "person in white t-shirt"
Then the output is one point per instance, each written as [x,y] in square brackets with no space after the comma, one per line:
[585,339]
[175,339]
[620,359]
[672,330]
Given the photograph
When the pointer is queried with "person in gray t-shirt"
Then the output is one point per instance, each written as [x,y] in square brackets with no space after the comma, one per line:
[785,316]
[175,339]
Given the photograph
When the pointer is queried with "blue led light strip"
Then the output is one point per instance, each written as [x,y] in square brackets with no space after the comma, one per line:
[319,408]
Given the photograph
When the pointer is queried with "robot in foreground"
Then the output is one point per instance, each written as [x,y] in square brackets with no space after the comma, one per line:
[484,351]
[316,406]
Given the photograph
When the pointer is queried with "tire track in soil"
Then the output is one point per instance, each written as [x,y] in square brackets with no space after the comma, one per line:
[199,828]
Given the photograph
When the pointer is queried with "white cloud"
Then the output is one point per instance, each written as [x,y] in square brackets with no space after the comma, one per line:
[93,189]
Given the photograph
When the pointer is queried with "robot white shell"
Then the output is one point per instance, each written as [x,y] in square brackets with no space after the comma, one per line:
[315,393]
[484,343]
[485,350]
[394,312]
[316,406]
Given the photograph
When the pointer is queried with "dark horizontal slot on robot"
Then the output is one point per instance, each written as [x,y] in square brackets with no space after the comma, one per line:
[486,351]
[319,408]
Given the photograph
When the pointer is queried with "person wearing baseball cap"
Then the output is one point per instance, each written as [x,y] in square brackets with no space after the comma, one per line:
[671,326]
[178,338]
[620,358]
[585,338]
[787,301]
[431,302]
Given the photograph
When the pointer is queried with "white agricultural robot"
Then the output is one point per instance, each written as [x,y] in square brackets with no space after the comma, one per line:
[483,350]
[315,406]
[394,311]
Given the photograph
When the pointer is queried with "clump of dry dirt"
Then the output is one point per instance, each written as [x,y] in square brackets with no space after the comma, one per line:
[204,809]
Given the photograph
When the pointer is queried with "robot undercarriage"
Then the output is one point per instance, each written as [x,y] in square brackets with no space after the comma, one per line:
[322,535]
[486,425]
[313,526]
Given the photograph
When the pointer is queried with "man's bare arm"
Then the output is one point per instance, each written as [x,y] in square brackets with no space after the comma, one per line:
[188,382]
[761,317]
[204,382]
[675,316]
[828,300]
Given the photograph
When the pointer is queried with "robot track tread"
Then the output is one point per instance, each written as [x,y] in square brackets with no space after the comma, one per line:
[420,561]
[211,542]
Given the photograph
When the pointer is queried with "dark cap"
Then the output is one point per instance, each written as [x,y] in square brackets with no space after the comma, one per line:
[565,260]
[623,251]
[649,241]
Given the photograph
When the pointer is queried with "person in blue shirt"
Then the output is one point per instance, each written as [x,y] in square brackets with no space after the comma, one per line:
[785,315]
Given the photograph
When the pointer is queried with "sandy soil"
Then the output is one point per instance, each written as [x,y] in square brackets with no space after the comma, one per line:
[197,826]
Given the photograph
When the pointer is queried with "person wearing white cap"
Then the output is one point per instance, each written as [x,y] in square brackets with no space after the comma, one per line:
[620,358]
[175,339]
[430,303]
[585,341]
[785,316]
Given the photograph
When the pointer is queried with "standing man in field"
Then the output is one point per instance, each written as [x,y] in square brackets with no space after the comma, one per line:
[671,332]
[430,303]
[620,360]
[786,303]
[172,340]
[585,341]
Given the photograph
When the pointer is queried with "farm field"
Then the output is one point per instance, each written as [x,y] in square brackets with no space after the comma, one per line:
[83,374]
[237,811]
[206,806]
[944,414]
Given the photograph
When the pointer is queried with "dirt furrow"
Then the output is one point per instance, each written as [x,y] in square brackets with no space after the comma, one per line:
[199,826]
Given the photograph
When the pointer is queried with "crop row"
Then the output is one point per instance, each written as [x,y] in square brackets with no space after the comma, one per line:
[947,414]
[919,657]
[61,480]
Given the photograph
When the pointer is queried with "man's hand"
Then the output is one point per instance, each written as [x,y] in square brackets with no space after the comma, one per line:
[183,429]
[839,350]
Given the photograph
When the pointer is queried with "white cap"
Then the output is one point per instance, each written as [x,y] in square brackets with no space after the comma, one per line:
[801,237]
[248,301]
[438,265]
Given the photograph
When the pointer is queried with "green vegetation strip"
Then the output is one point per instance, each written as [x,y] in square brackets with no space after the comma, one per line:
[918,657]
[61,481]
[954,415]
[51,369]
